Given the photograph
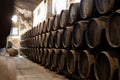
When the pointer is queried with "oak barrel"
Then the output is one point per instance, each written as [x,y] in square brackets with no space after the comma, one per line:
[95,32]
[62,60]
[113,30]
[107,6]
[64,16]
[56,22]
[67,37]
[106,63]
[74,11]
[58,38]
[72,57]
[85,62]
[78,34]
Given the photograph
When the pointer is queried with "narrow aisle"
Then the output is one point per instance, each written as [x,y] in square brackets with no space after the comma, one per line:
[27,70]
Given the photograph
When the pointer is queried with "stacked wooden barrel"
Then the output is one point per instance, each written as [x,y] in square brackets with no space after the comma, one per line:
[82,42]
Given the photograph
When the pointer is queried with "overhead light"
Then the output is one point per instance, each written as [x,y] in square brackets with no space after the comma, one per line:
[14,18]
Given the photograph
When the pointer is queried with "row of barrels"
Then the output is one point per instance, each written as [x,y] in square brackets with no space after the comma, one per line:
[83,40]
[95,8]
[103,66]
[76,12]
[97,32]
[58,21]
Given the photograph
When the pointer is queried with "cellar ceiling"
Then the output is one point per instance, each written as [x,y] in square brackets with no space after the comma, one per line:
[27,4]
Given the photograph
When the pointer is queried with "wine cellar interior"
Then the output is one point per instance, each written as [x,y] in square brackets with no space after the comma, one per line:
[64,39]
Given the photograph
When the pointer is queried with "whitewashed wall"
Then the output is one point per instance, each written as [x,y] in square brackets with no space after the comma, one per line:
[39,14]
[43,9]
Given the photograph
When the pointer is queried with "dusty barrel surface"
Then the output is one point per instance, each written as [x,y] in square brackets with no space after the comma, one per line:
[40,56]
[30,33]
[105,65]
[58,38]
[25,51]
[39,41]
[21,43]
[56,22]
[36,54]
[42,40]
[52,39]
[48,58]
[78,33]
[85,62]
[31,54]
[36,57]
[67,37]
[38,28]
[62,59]
[50,24]
[86,8]
[64,16]
[30,40]
[33,41]
[55,58]
[113,30]
[107,6]
[46,40]
[28,54]
[74,11]
[45,25]
[33,31]
[44,56]
[25,43]
[72,57]
[41,28]
[95,32]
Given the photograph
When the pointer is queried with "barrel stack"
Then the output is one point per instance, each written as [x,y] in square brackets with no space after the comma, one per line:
[82,42]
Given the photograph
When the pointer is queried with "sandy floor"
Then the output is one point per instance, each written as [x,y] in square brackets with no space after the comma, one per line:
[27,70]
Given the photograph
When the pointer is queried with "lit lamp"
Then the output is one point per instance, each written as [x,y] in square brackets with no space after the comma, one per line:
[14,18]
[14,30]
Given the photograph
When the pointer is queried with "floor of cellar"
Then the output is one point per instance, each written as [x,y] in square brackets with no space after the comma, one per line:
[28,70]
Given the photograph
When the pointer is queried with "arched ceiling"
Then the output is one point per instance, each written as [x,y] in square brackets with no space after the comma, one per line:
[27,4]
